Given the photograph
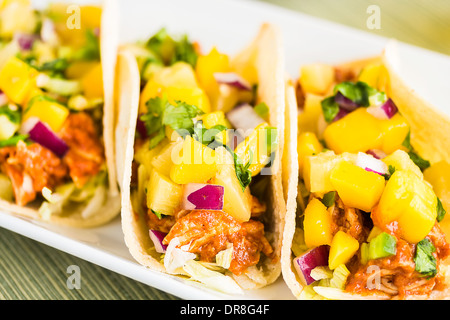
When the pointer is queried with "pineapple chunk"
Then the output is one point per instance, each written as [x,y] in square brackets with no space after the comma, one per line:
[7,127]
[357,187]
[17,80]
[400,160]
[358,131]
[307,145]
[317,224]
[394,133]
[163,196]
[316,78]
[410,202]
[237,203]
[163,160]
[196,164]
[48,111]
[192,96]
[343,248]
[317,169]
[144,155]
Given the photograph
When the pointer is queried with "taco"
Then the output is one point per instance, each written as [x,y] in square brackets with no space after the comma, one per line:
[56,134]
[202,194]
[373,187]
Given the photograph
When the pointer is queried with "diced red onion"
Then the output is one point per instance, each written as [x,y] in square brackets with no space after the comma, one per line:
[141,129]
[371,164]
[25,40]
[376,153]
[157,237]
[232,79]
[203,196]
[345,103]
[43,135]
[244,117]
[311,259]
[342,113]
[384,111]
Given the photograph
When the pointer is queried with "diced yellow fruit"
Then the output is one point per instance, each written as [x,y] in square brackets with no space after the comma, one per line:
[227,99]
[144,155]
[17,16]
[343,248]
[17,80]
[7,128]
[193,96]
[317,224]
[400,160]
[370,74]
[438,174]
[358,131]
[195,163]
[309,117]
[317,169]
[163,160]
[92,83]
[79,69]
[394,133]
[179,75]
[357,187]
[205,68]
[163,196]
[316,78]
[33,93]
[255,146]
[48,111]
[410,202]
[307,145]
[215,118]
[237,203]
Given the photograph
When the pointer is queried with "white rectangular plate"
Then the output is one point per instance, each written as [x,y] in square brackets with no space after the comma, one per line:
[230,25]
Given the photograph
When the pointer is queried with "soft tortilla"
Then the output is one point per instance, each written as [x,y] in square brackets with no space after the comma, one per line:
[265,52]
[425,121]
[111,208]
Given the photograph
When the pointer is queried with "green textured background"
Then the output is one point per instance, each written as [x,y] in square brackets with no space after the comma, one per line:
[31,270]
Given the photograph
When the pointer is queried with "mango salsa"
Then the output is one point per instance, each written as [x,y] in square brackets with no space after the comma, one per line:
[357,187]
[92,83]
[410,202]
[317,169]
[357,131]
[48,111]
[316,78]
[317,224]
[400,160]
[394,133]
[343,247]
[195,163]
[17,80]
[307,145]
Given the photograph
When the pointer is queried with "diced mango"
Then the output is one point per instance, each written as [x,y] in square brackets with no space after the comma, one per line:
[215,118]
[205,68]
[343,248]
[195,163]
[317,224]
[307,145]
[92,83]
[308,119]
[17,16]
[17,80]
[357,131]
[410,202]
[193,96]
[400,160]
[257,148]
[144,155]
[394,133]
[163,196]
[237,203]
[317,169]
[316,78]
[357,187]
[370,74]
[48,111]
[79,69]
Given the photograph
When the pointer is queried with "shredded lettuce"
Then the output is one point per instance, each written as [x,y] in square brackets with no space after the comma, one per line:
[212,279]
[176,258]
[224,257]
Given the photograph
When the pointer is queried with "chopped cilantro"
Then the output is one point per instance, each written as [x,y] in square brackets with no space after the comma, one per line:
[329,198]
[440,210]
[418,160]
[424,259]
[262,110]
[330,109]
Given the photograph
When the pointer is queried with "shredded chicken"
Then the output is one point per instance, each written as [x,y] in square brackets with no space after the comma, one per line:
[209,232]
